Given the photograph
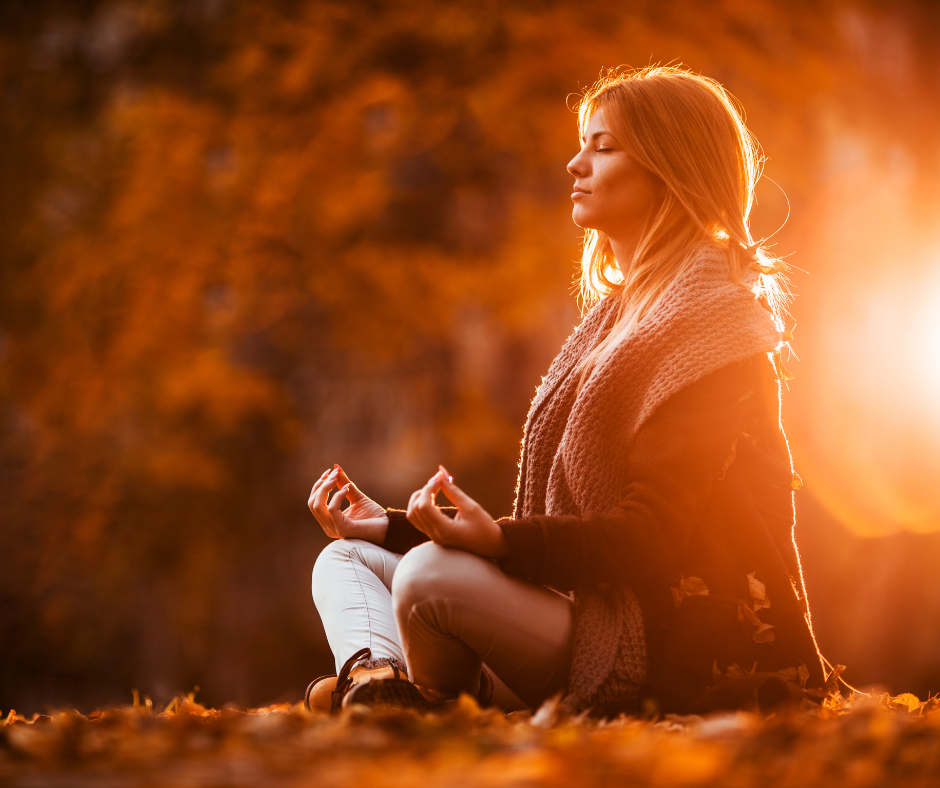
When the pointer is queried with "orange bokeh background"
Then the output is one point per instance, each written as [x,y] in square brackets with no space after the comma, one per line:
[245,240]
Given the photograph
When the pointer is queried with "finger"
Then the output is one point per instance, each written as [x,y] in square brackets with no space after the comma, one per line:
[454,494]
[320,481]
[336,513]
[414,516]
[440,526]
[426,495]
[423,506]
[318,498]
[319,494]
[325,523]
[433,486]
[328,528]
[412,502]
[317,485]
[322,516]
[353,493]
[337,500]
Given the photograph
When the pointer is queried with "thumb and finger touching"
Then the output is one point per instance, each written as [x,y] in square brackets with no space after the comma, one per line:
[424,513]
[353,493]
[335,507]
[454,494]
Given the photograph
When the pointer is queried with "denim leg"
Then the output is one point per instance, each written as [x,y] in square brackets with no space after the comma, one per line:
[352,582]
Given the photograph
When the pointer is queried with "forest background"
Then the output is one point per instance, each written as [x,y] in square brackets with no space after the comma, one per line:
[244,240]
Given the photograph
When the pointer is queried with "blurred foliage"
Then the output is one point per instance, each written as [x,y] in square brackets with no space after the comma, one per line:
[244,240]
[859,741]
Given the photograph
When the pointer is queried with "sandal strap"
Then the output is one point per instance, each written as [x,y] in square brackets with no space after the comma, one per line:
[344,681]
[310,687]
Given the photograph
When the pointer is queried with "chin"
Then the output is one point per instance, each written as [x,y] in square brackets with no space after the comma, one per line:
[582,221]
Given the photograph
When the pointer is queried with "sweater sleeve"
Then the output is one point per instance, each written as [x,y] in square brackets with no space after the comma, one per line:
[401,535]
[676,458]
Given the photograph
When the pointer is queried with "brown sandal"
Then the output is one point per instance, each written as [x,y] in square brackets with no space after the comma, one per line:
[314,697]
[402,694]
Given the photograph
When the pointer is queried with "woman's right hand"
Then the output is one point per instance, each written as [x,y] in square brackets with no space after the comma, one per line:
[362,519]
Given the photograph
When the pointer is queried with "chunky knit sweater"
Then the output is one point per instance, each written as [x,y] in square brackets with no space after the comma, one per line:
[607,507]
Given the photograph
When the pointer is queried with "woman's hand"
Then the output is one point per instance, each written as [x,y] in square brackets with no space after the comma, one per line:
[472,530]
[362,519]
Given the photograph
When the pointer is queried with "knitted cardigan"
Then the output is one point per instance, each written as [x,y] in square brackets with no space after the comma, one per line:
[577,469]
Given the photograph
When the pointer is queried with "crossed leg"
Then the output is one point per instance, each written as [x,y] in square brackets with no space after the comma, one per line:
[443,613]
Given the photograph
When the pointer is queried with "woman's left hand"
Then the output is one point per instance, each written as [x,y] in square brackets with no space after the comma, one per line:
[472,530]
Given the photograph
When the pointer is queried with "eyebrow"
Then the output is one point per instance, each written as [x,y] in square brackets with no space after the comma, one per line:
[597,134]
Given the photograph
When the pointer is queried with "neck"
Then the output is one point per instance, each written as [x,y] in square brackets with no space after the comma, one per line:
[624,247]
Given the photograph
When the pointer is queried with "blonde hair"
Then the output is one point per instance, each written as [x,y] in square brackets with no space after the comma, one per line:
[688,131]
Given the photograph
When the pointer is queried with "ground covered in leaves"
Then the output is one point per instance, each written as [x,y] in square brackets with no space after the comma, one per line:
[856,741]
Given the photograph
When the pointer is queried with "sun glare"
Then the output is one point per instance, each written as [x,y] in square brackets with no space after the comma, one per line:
[874,448]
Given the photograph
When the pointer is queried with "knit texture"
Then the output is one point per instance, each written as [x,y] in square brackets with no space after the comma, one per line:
[576,444]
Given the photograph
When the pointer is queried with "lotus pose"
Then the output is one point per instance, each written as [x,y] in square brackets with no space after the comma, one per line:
[650,559]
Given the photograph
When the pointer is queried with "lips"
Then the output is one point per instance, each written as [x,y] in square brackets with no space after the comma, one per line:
[578,192]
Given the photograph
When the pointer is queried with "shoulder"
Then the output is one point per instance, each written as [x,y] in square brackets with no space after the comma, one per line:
[750,380]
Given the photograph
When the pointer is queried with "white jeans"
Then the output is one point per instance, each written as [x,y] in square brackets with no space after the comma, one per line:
[446,613]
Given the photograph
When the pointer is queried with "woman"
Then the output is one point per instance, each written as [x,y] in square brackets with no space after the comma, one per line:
[650,558]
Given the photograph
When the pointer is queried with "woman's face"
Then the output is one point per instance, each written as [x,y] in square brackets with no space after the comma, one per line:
[612,192]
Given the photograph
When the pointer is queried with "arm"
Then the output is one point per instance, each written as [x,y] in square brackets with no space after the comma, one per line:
[675,460]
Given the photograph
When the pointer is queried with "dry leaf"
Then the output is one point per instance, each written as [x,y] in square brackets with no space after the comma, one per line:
[788,674]
[832,683]
[547,714]
[746,615]
[907,700]
[803,673]
[764,634]
[693,586]
[757,590]
[688,586]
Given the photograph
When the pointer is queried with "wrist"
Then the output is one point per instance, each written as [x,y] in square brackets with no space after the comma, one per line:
[501,547]
[370,531]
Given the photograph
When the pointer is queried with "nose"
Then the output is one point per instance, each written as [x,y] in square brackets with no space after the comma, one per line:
[577,167]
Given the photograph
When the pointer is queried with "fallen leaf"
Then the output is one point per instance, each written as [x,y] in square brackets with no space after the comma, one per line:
[746,615]
[764,634]
[832,683]
[688,586]
[803,673]
[734,671]
[757,590]
[788,674]
[547,714]
[908,700]
[693,586]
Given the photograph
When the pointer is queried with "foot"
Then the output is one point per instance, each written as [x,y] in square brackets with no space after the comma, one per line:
[401,693]
[396,694]
[319,696]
